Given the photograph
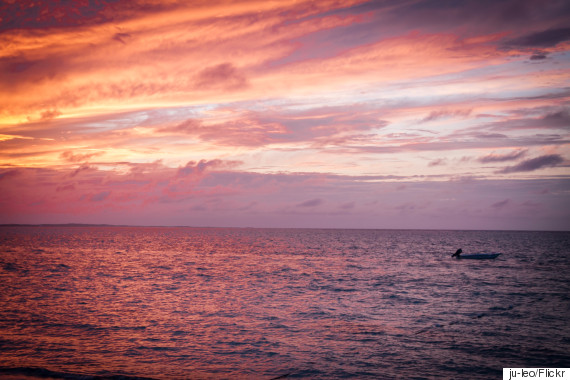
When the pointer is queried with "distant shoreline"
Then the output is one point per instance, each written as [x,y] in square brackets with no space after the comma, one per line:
[261,228]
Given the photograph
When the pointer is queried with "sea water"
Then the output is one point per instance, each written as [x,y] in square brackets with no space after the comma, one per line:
[214,303]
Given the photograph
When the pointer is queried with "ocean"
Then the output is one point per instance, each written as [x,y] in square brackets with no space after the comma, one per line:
[221,303]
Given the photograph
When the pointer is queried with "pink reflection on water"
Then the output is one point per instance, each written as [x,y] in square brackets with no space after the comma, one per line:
[250,303]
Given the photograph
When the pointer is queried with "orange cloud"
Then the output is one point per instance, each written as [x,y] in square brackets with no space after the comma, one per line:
[127,105]
[183,56]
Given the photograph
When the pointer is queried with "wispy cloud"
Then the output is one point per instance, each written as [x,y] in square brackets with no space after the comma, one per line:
[435,115]
[511,156]
[536,163]
[501,204]
[438,162]
[311,203]
[79,157]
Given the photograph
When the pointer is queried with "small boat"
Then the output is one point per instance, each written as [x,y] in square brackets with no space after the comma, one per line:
[475,256]
[480,256]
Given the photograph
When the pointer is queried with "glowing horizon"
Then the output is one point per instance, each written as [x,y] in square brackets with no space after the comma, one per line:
[287,113]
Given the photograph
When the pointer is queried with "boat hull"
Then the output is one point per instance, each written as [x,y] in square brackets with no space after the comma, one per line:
[480,256]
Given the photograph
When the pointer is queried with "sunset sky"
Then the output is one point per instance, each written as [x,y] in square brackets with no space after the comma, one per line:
[349,114]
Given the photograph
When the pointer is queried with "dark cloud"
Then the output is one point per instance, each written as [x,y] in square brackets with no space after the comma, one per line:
[557,93]
[490,136]
[100,196]
[121,37]
[555,118]
[82,168]
[16,71]
[9,173]
[69,187]
[311,203]
[16,65]
[223,75]
[502,157]
[24,14]
[538,56]
[531,204]
[412,206]
[558,119]
[501,204]
[192,167]
[438,162]
[478,17]
[535,164]
[457,141]
[544,39]
[43,14]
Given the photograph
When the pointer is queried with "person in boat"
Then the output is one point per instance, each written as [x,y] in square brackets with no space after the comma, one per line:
[457,253]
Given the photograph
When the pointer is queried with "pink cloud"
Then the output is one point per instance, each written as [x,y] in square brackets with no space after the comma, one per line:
[435,115]
[245,130]
[198,168]
[78,157]
[285,113]
[225,197]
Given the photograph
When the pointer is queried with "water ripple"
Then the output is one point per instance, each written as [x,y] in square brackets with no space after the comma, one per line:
[177,303]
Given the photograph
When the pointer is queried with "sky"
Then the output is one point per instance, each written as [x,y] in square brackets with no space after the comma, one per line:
[328,114]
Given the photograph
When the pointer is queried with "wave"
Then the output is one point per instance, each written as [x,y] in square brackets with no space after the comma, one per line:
[44,373]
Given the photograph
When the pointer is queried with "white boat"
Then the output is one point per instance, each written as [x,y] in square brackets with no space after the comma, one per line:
[475,256]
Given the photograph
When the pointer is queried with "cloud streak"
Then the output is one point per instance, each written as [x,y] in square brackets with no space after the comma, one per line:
[503,157]
[536,163]
[542,39]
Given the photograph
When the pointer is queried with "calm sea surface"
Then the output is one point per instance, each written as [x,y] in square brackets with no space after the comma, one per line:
[179,303]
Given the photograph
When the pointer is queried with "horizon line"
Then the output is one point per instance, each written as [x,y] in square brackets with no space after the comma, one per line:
[251,227]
